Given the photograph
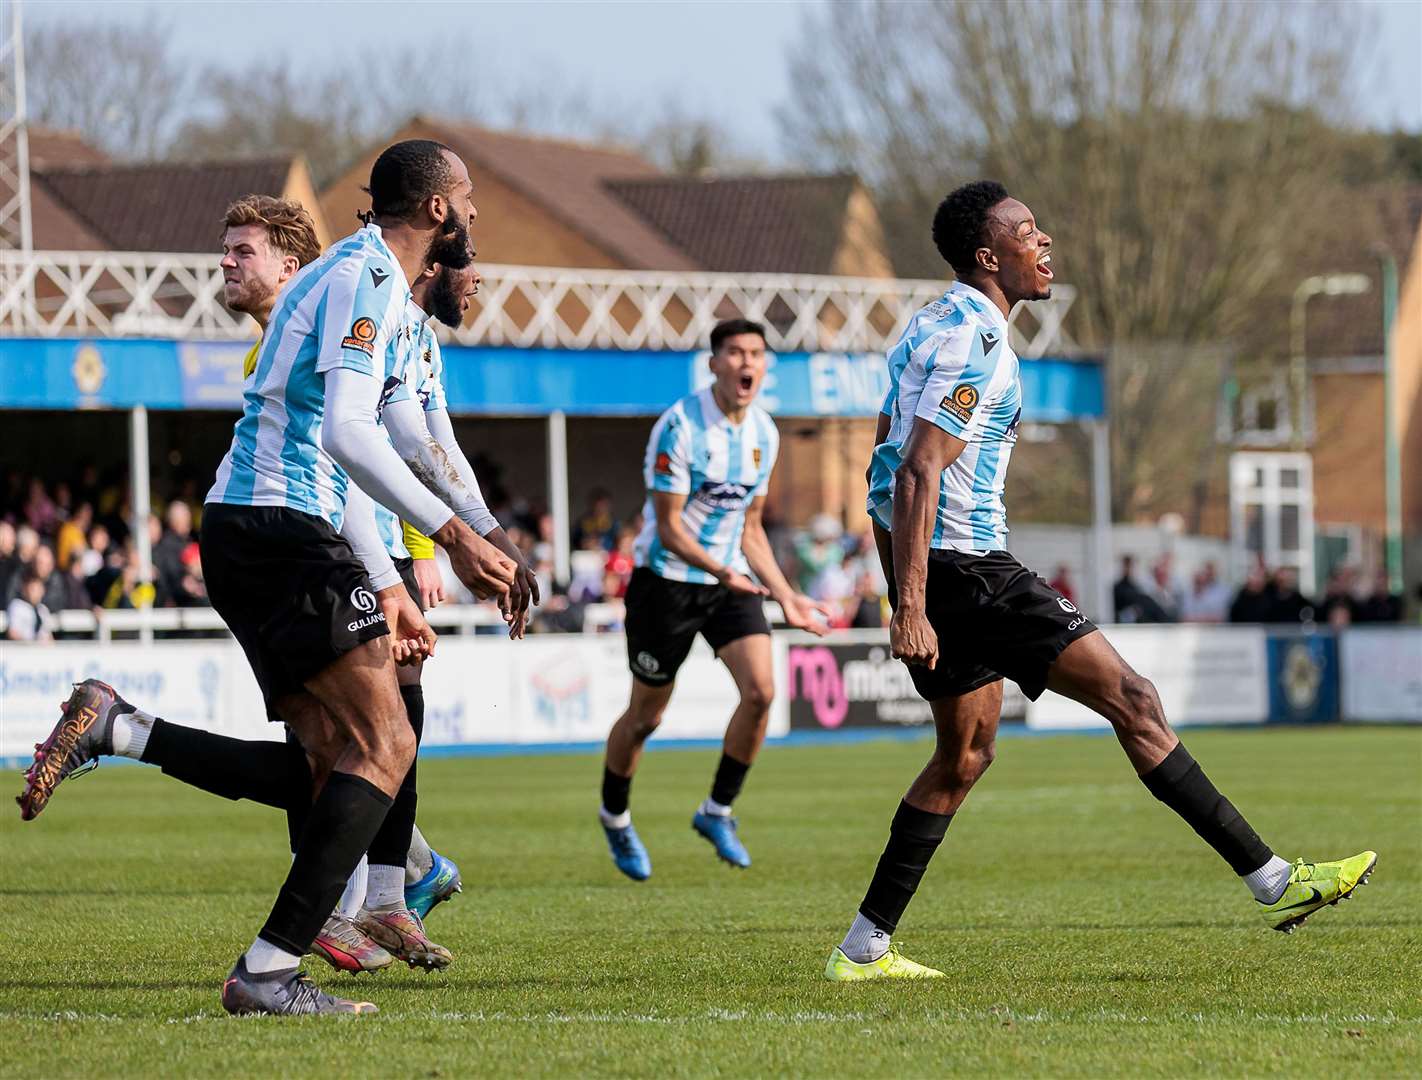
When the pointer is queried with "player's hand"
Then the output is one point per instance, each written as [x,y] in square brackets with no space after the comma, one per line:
[737,582]
[912,638]
[412,639]
[800,613]
[430,583]
[485,570]
[522,595]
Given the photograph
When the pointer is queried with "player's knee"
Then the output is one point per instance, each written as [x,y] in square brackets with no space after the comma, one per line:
[1140,704]
[400,747]
[758,694]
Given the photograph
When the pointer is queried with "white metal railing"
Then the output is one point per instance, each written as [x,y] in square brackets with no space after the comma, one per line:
[104,624]
[143,294]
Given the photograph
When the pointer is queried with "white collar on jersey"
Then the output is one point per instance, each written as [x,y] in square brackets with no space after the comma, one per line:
[991,310]
[708,400]
[375,234]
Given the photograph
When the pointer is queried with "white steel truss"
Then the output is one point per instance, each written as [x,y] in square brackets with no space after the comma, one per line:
[141,294]
[14,143]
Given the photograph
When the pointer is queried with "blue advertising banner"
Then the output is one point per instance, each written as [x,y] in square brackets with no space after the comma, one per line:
[68,373]
[1303,678]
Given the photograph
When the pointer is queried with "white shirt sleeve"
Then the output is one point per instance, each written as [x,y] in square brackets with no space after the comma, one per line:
[351,436]
[362,533]
[426,441]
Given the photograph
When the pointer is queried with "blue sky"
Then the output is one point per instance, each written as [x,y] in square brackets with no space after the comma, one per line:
[724,60]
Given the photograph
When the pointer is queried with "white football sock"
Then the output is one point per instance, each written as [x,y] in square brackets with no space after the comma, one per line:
[615,821]
[1268,882]
[130,733]
[419,861]
[715,809]
[263,957]
[865,942]
[385,887]
[351,900]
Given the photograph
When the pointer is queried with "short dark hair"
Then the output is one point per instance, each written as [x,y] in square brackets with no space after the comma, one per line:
[405,175]
[960,222]
[730,328]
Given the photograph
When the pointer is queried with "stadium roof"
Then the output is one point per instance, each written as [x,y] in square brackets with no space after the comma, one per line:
[772,224]
[567,179]
[157,207]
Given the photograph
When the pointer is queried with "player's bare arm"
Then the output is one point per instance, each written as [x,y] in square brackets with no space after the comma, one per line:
[927,453]
[677,539]
[799,609]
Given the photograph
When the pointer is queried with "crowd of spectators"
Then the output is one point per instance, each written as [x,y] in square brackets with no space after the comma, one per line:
[1264,597]
[67,546]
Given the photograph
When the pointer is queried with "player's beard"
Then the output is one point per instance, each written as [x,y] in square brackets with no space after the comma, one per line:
[251,297]
[450,246]
[446,301]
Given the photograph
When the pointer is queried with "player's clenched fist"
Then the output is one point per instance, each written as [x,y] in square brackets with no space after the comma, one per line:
[912,638]
[485,570]
[411,636]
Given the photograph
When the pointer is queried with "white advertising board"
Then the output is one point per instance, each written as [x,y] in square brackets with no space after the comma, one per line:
[1381,668]
[1214,675]
[484,690]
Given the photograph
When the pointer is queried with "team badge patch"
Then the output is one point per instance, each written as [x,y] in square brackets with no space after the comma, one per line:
[663,464]
[961,402]
[755,456]
[362,336]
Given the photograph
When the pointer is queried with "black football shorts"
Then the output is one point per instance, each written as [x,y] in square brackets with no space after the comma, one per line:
[290,589]
[994,619]
[664,617]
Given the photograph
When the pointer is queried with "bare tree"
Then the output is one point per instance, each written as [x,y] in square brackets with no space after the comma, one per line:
[1179,153]
[116,84]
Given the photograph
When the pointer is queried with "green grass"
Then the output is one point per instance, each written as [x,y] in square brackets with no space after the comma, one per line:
[1086,930]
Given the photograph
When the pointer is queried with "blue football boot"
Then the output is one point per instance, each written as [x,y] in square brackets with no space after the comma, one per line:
[628,852]
[721,831]
[441,883]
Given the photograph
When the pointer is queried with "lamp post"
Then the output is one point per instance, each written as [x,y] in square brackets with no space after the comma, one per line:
[1320,285]
[1392,461]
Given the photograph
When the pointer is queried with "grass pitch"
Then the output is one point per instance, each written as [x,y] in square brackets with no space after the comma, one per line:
[1085,929]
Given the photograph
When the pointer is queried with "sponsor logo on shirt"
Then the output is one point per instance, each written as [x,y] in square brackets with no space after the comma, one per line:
[663,464]
[361,337]
[961,402]
[721,496]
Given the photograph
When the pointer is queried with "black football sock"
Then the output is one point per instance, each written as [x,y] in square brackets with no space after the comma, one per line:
[343,821]
[391,845]
[298,807]
[1180,783]
[265,772]
[730,776]
[914,836]
[616,790]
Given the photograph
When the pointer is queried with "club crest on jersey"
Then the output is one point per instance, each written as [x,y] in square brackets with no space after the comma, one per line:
[755,457]
[961,402]
[361,337]
[663,464]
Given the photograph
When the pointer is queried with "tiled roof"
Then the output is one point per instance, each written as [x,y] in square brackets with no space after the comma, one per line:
[567,178]
[158,207]
[778,224]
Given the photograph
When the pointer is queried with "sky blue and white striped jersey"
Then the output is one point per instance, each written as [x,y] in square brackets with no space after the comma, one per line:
[348,309]
[423,379]
[694,450]
[953,367]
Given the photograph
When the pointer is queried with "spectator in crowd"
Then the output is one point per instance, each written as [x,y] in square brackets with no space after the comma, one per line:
[1165,589]
[10,565]
[869,598]
[1253,602]
[172,560]
[93,558]
[1339,606]
[1208,601]
[1132,603]
[69,540]
[621,561]
[1287,604]
[128,589]
[817,549]
[26,617]
[52,583]
[1381,605]
[40,513]
[27,542]
[1061,581]
[597,523]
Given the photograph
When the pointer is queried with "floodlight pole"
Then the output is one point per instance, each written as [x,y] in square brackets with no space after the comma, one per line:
[558,495]
[1101,554]
[1392,461]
